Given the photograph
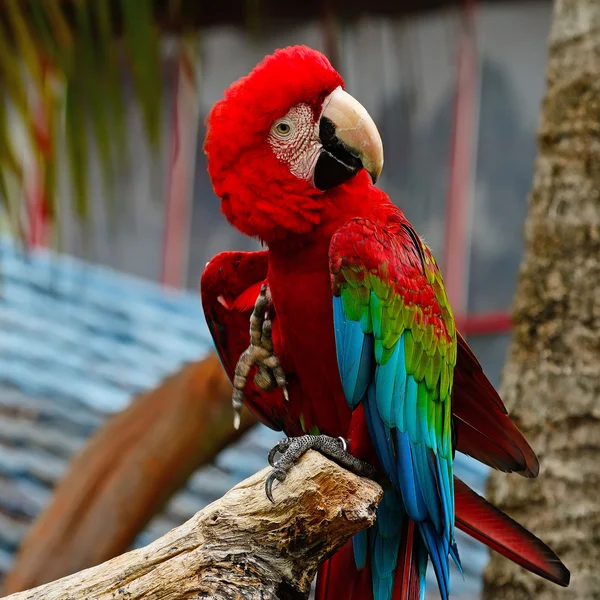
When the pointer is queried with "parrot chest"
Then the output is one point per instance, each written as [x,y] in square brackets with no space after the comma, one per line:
[305,343]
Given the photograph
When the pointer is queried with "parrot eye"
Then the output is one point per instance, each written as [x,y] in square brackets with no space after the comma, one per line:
[294,139]
[283,129]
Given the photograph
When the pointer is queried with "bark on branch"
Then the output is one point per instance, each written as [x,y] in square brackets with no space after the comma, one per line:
[241,546]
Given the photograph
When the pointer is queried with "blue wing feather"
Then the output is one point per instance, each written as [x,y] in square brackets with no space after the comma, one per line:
[354,354]
[385,378]
[385,538]
[411,494]
[427,477]
[394,417]
[360,544]
[400,387]
[410,403]
[402,407]
[381,436]
[438,549]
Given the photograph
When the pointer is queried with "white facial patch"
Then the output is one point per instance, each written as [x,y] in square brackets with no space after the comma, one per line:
[295,141]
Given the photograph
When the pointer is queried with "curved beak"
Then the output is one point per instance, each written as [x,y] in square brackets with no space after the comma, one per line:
[350,141]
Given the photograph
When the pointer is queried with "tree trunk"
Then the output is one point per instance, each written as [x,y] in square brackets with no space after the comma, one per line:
[552,378]
[240,547]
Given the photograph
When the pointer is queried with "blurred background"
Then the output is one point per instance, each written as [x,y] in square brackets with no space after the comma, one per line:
[107,218]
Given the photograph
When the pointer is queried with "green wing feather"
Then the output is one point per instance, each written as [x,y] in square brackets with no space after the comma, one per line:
[388,288]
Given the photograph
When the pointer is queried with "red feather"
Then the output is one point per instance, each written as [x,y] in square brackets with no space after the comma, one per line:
[407,585]
[470,367]
[226,281]
[339,578]
[229,287]
[484,430]
[484,522]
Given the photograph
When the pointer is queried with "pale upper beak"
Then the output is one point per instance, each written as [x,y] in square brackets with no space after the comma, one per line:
[353,131]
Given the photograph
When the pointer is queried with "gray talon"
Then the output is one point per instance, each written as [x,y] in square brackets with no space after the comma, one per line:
[279,448]
[272,453]
[275,474]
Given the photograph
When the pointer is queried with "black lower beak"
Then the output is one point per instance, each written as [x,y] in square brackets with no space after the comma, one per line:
[336,163]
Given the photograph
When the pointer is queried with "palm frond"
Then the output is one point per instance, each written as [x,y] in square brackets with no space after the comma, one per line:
[62,67]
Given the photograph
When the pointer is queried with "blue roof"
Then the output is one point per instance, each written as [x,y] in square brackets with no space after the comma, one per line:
[129,333]
[77,342]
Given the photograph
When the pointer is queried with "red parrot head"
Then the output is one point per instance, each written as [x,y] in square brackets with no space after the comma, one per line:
[284,136]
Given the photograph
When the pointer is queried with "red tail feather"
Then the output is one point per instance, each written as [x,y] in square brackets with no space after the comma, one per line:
[489,436]
[484,522]
[468,365]
[407,584]
[484,429]
[339,578]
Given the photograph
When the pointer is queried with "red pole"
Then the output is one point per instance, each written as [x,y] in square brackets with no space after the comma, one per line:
[486,323]
[462,172]
[461,167]
[184,132]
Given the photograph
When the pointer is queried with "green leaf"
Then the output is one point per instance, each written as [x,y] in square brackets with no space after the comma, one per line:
[77,146]
[12,78]
[28,49]
[83,44]
[141,41]
[44,37]
[90,67]
[61,31]
[7,154]
[111,83]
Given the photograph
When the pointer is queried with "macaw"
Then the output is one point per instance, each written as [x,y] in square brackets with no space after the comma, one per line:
[351,332]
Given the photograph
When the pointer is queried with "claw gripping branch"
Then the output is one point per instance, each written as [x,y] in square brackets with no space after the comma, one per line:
[291,449]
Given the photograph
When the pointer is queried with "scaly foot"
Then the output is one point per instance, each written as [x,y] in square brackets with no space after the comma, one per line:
[260,353]
[291,449]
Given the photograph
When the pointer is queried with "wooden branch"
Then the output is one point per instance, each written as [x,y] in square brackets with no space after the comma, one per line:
[126,473]
[241,546]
